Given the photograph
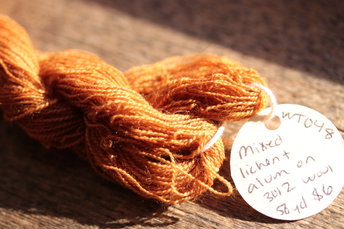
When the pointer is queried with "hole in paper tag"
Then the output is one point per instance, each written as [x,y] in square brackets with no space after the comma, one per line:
[273,124]
[291,172]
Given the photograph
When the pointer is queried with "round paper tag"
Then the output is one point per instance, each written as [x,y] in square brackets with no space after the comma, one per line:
[291,172]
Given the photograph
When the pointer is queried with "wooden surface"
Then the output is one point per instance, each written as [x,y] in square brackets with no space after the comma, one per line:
[297,45]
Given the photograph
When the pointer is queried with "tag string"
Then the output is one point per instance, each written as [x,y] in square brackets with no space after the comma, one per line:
[270,116]
[272,98]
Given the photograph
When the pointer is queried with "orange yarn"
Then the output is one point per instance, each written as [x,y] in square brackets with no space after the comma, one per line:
[145,128]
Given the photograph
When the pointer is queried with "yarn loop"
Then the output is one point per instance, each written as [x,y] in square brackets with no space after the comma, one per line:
[144,128]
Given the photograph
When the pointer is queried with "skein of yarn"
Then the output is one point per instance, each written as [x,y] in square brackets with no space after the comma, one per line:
[144,128]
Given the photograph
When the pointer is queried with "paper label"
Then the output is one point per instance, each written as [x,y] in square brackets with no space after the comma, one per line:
[292,172]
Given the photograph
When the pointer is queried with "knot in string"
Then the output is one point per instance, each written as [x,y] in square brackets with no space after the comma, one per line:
[144,128]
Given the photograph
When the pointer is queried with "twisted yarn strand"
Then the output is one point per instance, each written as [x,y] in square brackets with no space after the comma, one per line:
[144,128]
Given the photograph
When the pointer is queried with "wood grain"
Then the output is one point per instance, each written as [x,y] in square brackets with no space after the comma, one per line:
[298,46]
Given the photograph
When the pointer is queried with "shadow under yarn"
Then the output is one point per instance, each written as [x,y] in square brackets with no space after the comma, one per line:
[234,205]
[58,183]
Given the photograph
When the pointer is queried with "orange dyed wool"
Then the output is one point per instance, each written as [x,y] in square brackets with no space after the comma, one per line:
[144,128]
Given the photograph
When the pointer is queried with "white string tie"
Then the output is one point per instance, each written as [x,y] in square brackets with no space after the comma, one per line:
[270,116]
